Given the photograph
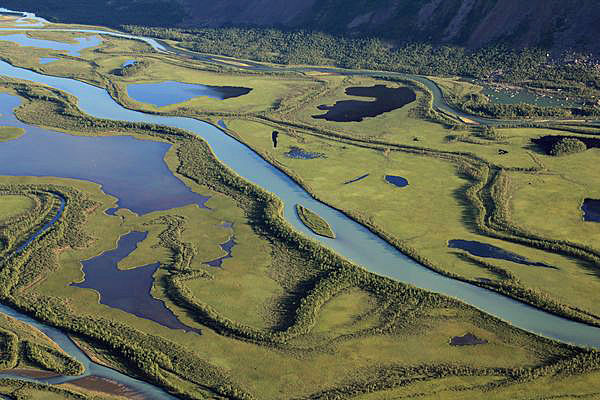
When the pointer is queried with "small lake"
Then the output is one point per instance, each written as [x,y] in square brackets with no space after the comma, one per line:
[396,180]
[128,63]
[227,248]
[71,49]
[130,169]
[298,153]
[128,290]
[485,250]
[170,92]
[591,210]
[385,100]
[47,60]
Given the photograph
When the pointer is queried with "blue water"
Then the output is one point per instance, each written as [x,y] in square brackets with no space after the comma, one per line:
[132,170]
[128,63]
[128,290]
[71,49]
[297,152]
[227,247]
[170,92]
[47,60]
[396,180]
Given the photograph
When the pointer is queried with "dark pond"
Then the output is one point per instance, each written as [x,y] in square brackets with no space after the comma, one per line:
[591,210]
[546,143]
[489,251]
[222,124]
[227,247]
[170,92]
[356,179]
[131,170]
[297,152]
[396,180]
[386,100]
[128,290]
[48,60]
[466,340]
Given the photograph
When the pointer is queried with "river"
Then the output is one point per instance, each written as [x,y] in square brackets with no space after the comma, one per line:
[353,240]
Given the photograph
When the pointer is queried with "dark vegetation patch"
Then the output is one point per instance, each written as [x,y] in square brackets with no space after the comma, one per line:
[485,250]
[468,339]
[396,180]
[386,100]
[297,152]
[128,290]
[559,145]
[591,209]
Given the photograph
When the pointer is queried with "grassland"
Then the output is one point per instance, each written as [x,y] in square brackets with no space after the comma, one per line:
[14,205]
[285,318]
[316,224]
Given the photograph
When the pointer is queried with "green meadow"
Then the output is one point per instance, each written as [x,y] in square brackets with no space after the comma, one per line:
[285,318]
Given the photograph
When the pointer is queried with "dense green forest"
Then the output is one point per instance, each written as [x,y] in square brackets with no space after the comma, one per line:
[317,48]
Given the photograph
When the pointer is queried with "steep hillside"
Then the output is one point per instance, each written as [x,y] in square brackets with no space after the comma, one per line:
[556,24]
[474,23]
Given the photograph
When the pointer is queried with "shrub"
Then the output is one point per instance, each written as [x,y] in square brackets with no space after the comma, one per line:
[567,146]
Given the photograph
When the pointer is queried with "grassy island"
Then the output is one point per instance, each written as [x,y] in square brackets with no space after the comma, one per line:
[315,223]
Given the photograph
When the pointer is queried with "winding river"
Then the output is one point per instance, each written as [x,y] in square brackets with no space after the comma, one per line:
[353,240]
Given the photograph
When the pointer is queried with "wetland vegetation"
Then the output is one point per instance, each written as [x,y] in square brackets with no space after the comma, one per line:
[312,220]
[285,304]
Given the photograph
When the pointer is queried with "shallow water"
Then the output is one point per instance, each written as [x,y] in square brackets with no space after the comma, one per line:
[128,290]
[227,247]
[130,169]
[170,92]
[48,60]
[71,49]
[297,152]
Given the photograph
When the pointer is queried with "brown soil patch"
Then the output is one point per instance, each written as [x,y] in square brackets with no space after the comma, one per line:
[103,385]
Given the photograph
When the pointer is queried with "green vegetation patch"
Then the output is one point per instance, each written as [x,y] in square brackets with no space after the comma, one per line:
[316,224]
[567,146]
[10,133]
[11,205]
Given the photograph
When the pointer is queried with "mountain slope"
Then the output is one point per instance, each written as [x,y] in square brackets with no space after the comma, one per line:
[556,24]
[475,23]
